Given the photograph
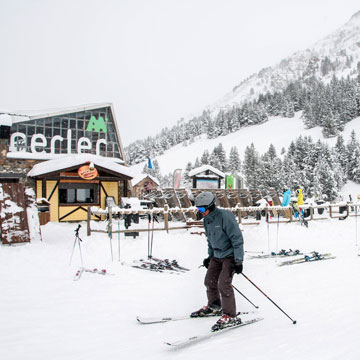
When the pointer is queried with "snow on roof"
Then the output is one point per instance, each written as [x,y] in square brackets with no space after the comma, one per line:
[76,160]
[5,119]
[140,177]
[204,168]
[24,115]
[48,156]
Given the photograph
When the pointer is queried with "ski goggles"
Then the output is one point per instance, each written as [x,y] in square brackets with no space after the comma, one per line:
[202,209]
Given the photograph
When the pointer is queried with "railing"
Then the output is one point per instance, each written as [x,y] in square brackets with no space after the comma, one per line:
[283,212]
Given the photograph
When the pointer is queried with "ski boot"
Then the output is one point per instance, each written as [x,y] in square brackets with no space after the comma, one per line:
[213,310]
[226,321]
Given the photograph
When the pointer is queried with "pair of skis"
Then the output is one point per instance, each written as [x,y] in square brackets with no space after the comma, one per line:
[202,336]
[159,265]
[300,213]
[80,271]
[314,256]
[281,253]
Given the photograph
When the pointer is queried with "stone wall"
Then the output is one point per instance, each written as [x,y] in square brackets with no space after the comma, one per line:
[15,166]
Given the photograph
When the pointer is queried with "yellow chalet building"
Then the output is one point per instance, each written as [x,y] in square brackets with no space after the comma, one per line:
[73,157]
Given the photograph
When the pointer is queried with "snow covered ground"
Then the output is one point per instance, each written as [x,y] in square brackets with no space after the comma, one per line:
[46,315]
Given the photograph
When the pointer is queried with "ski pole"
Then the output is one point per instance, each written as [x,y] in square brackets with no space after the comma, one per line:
[72,253]
[277,232]
[268,231]
[152,236]
[77,240]
[154,218]
[82,263]
[110,238]
[119,237]
[356,235]
[149,222]
[293,321]
[245,297]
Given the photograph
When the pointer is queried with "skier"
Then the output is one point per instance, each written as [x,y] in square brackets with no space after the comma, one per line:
[286,201]
[226,253]
[300,199]
[286,197]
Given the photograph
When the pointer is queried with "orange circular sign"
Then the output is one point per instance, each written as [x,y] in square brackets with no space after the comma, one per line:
[86,173]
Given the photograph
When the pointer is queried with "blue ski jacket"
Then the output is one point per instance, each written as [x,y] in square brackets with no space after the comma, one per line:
[223,235]
[286,198]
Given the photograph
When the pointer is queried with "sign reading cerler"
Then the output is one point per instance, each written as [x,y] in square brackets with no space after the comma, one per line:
[18,143]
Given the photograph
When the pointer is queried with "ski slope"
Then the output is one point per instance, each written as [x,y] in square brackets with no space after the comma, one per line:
[46,315]
[278,131]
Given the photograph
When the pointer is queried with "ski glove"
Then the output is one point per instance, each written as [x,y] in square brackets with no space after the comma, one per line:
[206,262]
[238,267]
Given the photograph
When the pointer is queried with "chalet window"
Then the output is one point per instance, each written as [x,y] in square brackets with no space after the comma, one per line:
[78,193]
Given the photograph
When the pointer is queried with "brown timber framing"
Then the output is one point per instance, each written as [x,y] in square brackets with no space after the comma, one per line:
[72,211]
[53,190]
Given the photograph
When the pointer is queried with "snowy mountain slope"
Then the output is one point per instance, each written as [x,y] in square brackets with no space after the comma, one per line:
[342,48]
[277,131]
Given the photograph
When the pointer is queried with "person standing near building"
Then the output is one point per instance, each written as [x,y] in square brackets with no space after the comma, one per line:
[300,199]
[286,201]
[286,197]
[225,257]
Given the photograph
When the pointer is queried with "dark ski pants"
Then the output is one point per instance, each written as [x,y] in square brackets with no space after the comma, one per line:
[218,281]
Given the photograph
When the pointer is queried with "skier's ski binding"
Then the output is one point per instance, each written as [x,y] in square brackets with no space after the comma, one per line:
[207,311]
[226,321]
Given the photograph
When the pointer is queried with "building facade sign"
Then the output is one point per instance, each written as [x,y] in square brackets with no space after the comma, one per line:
[88,172]
[90,131]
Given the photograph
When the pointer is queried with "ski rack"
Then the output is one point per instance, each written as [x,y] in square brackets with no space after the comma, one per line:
[166,212]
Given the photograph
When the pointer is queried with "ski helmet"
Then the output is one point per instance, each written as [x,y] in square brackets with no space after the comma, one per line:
[206,199]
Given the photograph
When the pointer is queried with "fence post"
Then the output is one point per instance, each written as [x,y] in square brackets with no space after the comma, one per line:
[330,210]
[239,215]
[110,220]
[166,217]
[88,221]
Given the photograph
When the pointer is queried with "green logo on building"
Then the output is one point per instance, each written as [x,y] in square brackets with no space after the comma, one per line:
[97,124]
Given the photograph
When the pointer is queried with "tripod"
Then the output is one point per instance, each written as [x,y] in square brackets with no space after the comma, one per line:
[77,240]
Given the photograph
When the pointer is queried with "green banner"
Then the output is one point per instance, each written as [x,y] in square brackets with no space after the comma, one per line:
[229,182]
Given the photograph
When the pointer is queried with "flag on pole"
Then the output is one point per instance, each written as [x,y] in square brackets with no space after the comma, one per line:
[150,164]
[177,178]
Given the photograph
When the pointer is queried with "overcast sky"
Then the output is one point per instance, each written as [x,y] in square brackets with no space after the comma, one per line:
[155,60]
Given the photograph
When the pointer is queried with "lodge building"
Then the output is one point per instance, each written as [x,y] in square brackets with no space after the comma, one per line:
[72,157]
